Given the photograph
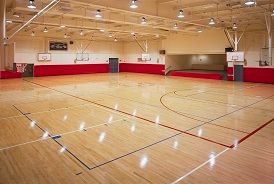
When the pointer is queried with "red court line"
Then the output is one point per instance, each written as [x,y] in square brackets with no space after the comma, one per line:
[134,116]
[255,131]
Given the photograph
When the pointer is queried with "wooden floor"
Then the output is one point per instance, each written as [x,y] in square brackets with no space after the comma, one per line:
[135,128]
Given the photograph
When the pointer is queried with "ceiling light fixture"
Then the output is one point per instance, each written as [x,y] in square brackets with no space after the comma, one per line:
[98,14]
[65,35]
[8,21]
[115,39]
[16,15]
[181,14]
[110,35]
[45,30]
[272,14]
[31,4]
[144,20]
[199,31]
[81,33]
[234,26]
[62,26]
[102,30]
[175,26]
[32,33]
[212,21]
[250,2]
[133,4]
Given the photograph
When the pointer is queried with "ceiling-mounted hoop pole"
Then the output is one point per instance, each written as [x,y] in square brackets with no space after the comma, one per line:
[41,12]
[268,21]
[134,37]
[228,38]
[242,34]
[87,46]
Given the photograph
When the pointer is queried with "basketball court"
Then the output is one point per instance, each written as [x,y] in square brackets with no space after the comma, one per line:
[114,107]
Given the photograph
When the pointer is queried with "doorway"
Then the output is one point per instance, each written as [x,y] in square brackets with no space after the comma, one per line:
[113,65]
[238,72]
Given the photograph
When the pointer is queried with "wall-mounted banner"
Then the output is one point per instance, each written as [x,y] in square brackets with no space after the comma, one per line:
[58,45]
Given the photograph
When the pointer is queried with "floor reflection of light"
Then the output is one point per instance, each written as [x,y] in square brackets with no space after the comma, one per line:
[116,106]
[45,135]
[157,120]
[133,128]
[32,124]
[82,126]
[65,118]
[235,144]
[143,161]
[110,119]
[200,132]
[134,112]
[175,144]
[102,137]
[212,159]
[62,150]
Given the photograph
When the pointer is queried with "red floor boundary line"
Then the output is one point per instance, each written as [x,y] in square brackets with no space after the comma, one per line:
[229,128]
[135,116]
[255,131]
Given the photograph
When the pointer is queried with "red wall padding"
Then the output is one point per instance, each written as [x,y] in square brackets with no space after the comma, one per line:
[142,68]
[49,70]
[9,75]
[230,73]
[263,75]
[197,75]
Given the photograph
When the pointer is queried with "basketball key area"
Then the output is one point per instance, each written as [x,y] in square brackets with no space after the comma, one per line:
[121,129]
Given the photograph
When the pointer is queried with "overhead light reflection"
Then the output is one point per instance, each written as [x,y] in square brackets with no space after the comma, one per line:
[200,132]
[62,150]
[102,137]
[45,135]
[82,126]
[32,124]
[175,144]
[143,161]
[212,159]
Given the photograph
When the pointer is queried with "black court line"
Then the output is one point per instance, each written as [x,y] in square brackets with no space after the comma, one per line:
[130,153]
[53,138]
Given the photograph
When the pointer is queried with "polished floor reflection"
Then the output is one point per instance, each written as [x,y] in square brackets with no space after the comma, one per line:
[135,128]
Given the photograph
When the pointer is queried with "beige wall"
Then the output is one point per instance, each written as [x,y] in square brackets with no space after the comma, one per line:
[185,49]
[27,49]
[252,44]
[207,42]
[132,52]
[193,61]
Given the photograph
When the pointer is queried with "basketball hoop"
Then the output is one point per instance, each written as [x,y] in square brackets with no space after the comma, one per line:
[21,67]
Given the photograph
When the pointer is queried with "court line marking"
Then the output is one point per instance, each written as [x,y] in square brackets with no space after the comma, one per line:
[239,142]
[126,113]
[231,146]
[139,149]
[255,131]
[49,135]
[159,107]
[209,122]
[66,133]
[200,166]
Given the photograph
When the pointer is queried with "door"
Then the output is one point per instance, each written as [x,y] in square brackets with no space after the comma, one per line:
[113,65]
[238,72]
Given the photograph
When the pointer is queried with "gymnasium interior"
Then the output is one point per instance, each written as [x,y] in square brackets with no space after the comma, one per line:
[136,91]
